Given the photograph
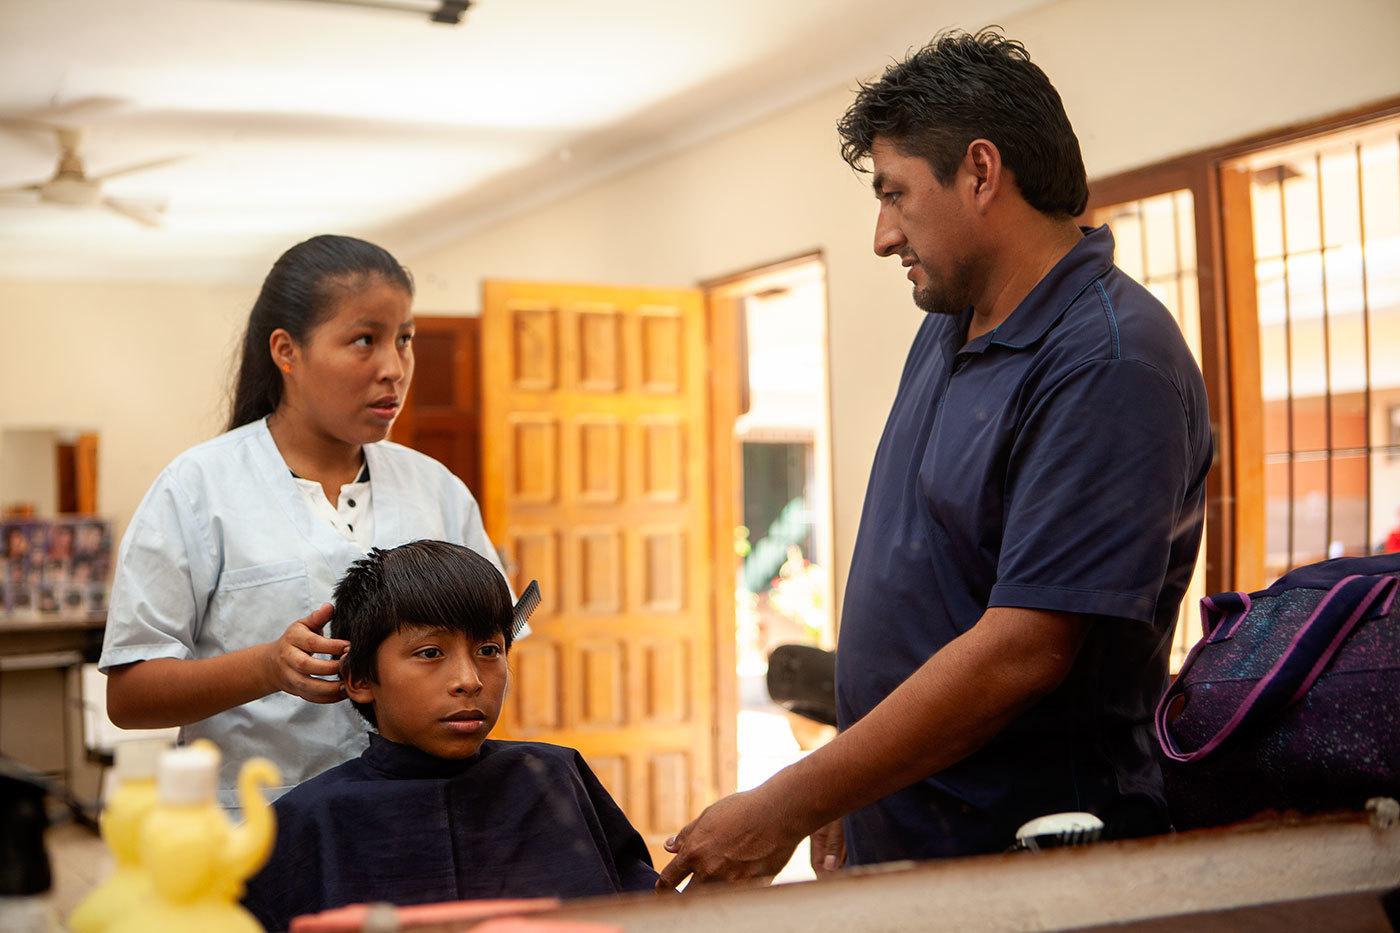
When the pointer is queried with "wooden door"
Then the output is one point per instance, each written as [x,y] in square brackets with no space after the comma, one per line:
[75,465]
[85,473]
[597,454]
[442,415]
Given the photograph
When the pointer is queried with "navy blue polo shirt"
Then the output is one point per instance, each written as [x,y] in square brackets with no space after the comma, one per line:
[1059,463]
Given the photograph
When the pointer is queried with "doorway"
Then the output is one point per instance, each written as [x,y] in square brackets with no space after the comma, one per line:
[782,554]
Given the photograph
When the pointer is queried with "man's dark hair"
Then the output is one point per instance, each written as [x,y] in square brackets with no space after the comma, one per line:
[422,584]
[964,86]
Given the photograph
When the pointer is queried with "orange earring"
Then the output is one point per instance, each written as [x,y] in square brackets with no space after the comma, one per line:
[286,367]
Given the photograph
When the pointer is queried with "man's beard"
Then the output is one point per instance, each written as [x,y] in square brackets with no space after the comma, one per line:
[944,296]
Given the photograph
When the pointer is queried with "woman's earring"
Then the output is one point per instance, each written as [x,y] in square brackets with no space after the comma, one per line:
[286,367]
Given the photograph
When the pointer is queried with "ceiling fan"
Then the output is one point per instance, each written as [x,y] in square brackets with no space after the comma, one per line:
[70,185]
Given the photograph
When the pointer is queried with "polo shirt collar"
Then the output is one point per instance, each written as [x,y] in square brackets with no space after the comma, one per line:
[1077,270]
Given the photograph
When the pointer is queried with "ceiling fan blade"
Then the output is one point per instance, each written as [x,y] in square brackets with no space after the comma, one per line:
[38,137]
[143,214]
[138,167]
[16,189]
[75,112]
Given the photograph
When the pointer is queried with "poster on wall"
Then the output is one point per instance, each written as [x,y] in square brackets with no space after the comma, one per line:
[53,568]
[22,549]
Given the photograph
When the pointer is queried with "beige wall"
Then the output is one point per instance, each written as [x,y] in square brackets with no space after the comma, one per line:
[143,365]
[1141,80]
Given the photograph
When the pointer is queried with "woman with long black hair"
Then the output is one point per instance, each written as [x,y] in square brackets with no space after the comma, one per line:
[225,571]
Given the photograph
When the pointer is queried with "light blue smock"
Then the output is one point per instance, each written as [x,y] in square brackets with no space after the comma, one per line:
[224,553]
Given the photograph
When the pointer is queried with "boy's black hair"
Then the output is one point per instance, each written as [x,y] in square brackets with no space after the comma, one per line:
[427,584]
[964,86]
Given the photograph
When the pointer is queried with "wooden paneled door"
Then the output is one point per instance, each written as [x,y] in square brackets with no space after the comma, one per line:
[597,456]
[442,415]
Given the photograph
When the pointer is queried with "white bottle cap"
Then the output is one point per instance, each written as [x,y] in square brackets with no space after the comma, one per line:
[136,760]
[188,775]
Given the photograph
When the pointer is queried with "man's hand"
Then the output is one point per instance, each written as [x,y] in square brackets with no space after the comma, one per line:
[950,707]
[741,837]
[829,849]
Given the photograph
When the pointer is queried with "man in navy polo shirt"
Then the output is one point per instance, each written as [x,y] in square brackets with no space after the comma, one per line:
[1034,508]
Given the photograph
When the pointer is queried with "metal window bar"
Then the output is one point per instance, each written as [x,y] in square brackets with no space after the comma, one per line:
[1180,310]
[1326,351]
[1140,207]
[1366,324]
[1287,358]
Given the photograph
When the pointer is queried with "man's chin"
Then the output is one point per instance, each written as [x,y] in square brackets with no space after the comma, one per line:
[931,304]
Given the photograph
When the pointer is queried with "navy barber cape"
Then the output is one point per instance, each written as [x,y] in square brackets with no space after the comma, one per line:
[397,825]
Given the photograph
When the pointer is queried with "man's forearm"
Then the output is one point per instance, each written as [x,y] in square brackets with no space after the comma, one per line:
[166,692]
[950,707]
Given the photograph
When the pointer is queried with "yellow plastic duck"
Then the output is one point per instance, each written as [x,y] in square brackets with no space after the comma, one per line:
[131,802]
[197,862]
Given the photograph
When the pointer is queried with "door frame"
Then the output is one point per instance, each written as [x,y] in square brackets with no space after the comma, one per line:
[724,297]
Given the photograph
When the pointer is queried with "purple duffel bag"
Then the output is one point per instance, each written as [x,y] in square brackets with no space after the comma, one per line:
[1290,700]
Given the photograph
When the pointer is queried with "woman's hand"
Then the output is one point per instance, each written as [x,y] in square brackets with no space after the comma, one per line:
[290,666]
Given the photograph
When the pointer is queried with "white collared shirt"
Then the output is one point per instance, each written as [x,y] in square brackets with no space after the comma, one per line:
[352,515]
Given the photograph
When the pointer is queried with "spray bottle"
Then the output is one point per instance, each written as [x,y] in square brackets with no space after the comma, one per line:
[197,862]
[131,802]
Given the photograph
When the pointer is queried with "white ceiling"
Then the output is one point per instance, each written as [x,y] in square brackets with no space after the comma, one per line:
[299,117]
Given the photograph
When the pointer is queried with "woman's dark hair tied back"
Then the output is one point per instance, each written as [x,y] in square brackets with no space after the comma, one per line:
[297,296]
[964,86]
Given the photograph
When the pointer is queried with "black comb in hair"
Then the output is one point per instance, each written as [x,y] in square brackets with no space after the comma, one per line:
[529,601]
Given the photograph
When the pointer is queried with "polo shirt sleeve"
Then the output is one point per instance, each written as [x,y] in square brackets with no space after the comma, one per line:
[1096,486]
[164,578]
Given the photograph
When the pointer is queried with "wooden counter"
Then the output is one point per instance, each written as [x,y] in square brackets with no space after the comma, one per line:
[82,634]
[1190,881]
[1335,873]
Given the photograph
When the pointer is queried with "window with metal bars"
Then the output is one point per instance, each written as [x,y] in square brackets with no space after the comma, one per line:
[1326,239]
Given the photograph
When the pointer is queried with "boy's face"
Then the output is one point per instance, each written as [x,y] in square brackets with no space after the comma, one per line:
[438,690]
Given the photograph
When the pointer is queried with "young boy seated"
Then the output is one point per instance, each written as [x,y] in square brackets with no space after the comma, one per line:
[433,810]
